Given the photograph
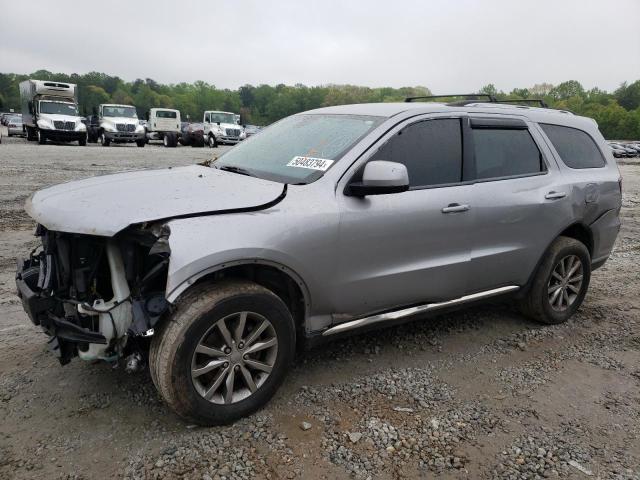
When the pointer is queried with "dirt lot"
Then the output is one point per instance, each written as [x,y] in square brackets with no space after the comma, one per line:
[478,394]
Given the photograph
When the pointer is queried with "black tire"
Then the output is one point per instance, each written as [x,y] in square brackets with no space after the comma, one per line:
[31,134]
[141,143]
[42,139]
[104,141]
[537,303]
[82,141]
[198,142]
[170,140]
[174,344]
[211,141]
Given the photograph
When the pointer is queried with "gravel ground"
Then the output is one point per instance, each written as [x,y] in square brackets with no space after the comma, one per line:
[481,393]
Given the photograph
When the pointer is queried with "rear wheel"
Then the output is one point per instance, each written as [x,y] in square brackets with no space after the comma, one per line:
[560,283]
[198,142]
[223,353]
[170,140]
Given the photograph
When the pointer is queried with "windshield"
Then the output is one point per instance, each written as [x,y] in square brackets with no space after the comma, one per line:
[300,148]
[165,114]
[219,117]
[58,108]
[129,112]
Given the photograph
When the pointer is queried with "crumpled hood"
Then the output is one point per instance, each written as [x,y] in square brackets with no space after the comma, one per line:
[107,204]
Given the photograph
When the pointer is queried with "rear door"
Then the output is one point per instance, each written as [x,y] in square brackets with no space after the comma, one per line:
[520,201]
[410,247]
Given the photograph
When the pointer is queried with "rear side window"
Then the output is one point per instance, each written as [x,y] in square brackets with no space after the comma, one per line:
[505,153]
[576,148]
[431,150]
[165,114]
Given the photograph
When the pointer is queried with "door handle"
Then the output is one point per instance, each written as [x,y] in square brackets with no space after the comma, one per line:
[555,195]
[455,207]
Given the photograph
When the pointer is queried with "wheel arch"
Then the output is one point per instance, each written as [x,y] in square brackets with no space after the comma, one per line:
[280,279]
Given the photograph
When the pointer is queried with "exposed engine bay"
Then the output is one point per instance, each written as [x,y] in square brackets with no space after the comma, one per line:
[96,297]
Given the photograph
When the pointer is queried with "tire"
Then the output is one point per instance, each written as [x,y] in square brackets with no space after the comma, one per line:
[42,139]
[546,301]
[170,140]
[82,141]
[141,143]
[31,135]
[173,358]
[104,141]
[198,142]
[211,141]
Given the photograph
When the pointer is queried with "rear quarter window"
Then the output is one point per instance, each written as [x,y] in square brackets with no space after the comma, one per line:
[576,148]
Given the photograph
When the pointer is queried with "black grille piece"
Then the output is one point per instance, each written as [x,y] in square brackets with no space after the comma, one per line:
[233,132]
[131,127]
[120,127]
[60,125]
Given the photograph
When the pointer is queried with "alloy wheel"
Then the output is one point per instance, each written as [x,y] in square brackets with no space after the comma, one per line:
[234,357]
[565,283]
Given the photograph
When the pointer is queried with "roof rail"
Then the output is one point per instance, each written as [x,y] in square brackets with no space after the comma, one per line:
[469,96]
[474,98]
[538,101]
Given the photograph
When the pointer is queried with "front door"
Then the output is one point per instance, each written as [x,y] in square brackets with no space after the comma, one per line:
[412,247]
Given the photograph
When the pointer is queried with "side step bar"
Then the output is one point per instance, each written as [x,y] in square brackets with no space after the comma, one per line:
[406,312]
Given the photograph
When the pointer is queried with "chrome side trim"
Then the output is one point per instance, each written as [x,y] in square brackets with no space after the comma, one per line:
[406,312]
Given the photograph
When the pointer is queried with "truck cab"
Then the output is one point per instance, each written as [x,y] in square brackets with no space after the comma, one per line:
[50,112]
[119,124]
[222,127]
[164,124]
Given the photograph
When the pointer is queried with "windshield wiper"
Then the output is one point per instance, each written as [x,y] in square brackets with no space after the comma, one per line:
[240,170]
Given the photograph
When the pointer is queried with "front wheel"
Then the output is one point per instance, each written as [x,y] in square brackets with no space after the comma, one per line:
[104,141]
[223,353]
[42,139]
[82,141]
[560,283]
[141,143]
[212,142]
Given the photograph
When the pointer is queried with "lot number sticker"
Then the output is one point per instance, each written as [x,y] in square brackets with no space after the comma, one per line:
[311,163]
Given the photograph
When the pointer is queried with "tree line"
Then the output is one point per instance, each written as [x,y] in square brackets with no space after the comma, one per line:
[617,113]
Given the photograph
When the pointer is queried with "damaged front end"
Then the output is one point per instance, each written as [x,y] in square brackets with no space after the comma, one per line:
[96,297]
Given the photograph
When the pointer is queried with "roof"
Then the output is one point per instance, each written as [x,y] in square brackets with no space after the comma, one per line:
[534,114]
[116,105]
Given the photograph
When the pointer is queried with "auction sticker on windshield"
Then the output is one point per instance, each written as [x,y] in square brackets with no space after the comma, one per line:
[311,163]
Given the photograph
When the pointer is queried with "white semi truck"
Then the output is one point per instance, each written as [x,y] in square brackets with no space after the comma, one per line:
[222,127]
[118,124]
[50,112]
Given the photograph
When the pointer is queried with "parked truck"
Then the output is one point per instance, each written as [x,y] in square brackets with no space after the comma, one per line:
[50,112]
[118,124]
[164,124]
[222,127]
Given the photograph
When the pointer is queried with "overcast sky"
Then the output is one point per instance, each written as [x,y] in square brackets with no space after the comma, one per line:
[449,46]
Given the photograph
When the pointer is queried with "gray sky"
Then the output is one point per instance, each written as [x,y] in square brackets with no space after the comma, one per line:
[452,46]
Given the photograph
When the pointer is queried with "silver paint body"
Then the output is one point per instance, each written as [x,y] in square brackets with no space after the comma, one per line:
[354,257]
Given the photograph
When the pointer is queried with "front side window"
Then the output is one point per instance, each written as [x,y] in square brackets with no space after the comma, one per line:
[110,111]
[431,150]
[576,148]
[298,149]
[505,153]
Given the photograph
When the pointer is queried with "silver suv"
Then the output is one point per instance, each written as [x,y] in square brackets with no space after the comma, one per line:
[328,222]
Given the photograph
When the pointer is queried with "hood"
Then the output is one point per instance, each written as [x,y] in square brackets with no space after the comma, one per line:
[125,120]
[58,117]
[107,204]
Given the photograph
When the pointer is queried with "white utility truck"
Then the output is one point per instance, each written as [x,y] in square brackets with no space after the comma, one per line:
[50,112]
[164,124]
[119,124]
[222,127]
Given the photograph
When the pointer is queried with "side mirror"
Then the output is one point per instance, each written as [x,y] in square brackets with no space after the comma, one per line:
[380,177]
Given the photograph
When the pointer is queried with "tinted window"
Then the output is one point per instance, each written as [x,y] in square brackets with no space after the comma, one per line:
[431,150]
[575,147]
[505,153]
[165,114]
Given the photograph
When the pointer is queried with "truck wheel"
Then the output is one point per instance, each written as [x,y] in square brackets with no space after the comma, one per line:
[42,139]
[170,140]
[141,143]
[104,141]
[82,141]
[31,134]
[211,141]
[560,283]
[223,353]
